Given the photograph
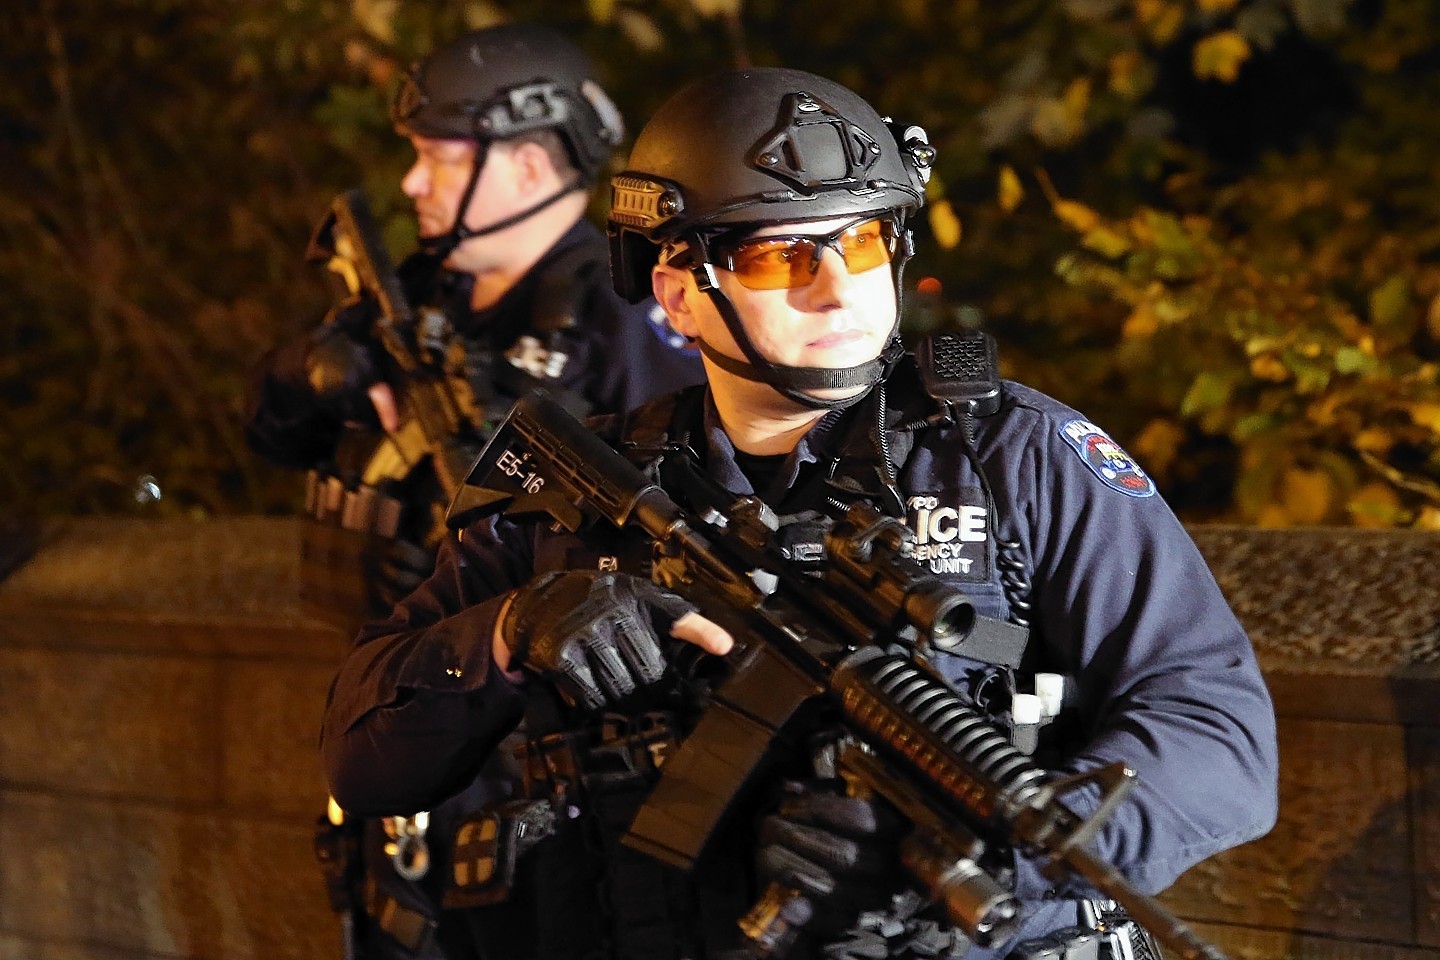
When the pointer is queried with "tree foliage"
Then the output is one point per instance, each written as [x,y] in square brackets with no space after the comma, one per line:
[1206,223]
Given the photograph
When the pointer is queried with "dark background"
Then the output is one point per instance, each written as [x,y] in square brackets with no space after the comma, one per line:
[1208,225]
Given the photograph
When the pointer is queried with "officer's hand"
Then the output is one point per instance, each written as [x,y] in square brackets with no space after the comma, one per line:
[595,635]
[829,856]
[342,361]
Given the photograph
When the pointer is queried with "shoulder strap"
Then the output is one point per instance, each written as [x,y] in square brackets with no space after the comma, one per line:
[663,425]
[877,439]
[564,285]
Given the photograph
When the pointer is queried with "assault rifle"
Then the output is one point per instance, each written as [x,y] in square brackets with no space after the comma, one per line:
[837,639]
[443,418]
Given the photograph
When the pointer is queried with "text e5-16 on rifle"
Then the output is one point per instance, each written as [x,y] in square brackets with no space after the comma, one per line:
[838,638]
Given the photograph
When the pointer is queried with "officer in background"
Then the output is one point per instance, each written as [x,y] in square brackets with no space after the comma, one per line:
[509,129]
[767,210]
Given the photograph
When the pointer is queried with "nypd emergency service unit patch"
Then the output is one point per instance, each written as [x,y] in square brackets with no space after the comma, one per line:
[952,533]
[1104,457]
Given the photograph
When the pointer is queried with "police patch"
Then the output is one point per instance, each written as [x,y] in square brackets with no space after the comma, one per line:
[1104,457]
[660,324]
[952,533]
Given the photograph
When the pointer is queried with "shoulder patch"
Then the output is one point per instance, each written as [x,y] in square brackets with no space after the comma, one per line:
[660,324]
[1115,468]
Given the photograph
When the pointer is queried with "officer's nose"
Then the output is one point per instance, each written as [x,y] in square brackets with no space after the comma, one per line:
[416,182]
[832,286]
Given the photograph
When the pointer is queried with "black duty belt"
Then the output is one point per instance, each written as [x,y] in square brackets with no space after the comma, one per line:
[560,772]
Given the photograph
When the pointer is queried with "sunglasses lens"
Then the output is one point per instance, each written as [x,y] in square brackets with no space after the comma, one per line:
[780,263]
[774,264]
[867,245]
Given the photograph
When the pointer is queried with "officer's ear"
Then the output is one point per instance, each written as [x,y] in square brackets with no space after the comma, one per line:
[532,167]
[673,288]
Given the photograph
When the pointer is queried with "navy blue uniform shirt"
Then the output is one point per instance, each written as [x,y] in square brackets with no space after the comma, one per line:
[1163,676]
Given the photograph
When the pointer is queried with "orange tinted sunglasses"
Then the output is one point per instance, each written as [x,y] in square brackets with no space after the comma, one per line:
[787,262]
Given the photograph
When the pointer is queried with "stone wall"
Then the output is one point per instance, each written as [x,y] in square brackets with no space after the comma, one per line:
[160,689]
[160,693]
[1347,627]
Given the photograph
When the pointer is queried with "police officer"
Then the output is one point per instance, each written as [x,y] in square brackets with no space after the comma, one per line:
[509,128]
[766,209]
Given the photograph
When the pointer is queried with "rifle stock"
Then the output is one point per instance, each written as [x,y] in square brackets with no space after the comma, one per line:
[965,790]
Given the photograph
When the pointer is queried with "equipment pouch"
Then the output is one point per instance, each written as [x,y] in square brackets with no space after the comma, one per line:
[487,847]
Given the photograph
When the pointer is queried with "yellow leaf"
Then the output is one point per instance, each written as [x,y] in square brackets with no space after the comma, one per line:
[1142,228]
[1307,494]
[1166,23]
[1272,516]
[1258,344]
[1429,519]
[1075,215]
[1076,102]
[1050,123]
[1268,367]
[1375,505]
[377,18]
[1220,56]
[1373,440]
[640,29]
[1126,74]
[716,8]
[1176,309]
[1426,415]
[601,10]
[1389,301]
[1158,444]
[1107,242]
[945,225]
[1010,190]
[1142,322]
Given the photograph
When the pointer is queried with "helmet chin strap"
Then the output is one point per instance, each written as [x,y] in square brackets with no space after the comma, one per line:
[444,244]
[795,382]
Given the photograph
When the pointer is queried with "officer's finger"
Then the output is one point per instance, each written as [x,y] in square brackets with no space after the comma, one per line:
[639,647]
[831,851]
[782,865]
[576,679]
[705,634]
[610,669]
[672,605]
[385,407]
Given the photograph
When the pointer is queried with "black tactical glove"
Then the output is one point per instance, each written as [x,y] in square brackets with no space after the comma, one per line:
[827,858]
[342,361]
[594,635]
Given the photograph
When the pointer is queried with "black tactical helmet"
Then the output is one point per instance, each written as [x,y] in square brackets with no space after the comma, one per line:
[506,81]
[757,146]
[754,147]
